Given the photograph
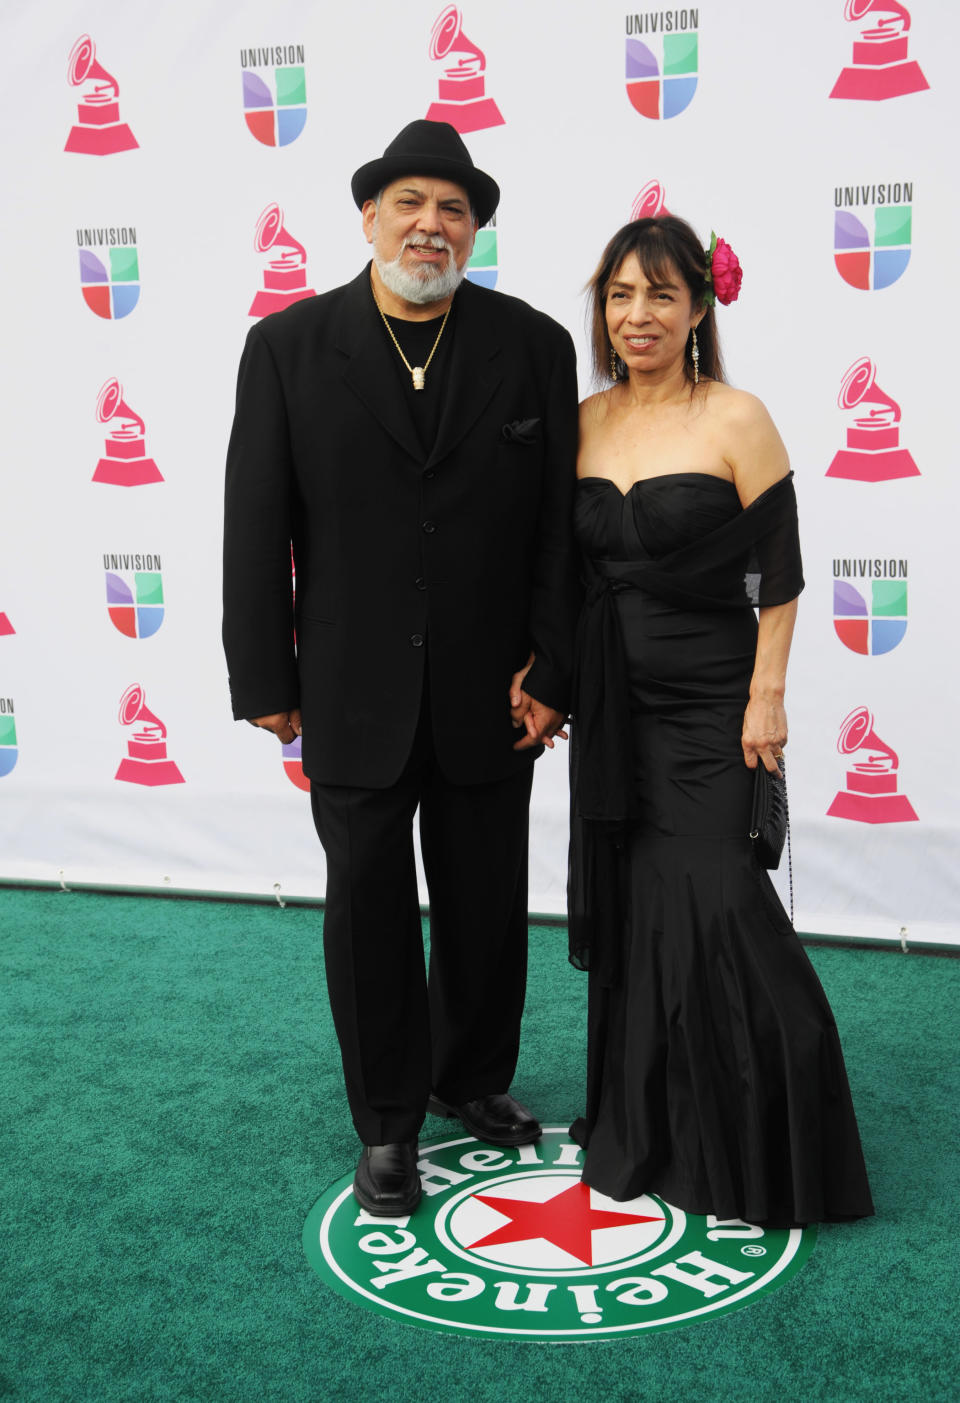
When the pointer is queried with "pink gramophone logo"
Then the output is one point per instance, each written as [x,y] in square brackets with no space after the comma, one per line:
[124,462]
[873,452]
[146,760]
[99,130]
[880,67]
[285,277]
[461,97]
[871,793]
[649,202]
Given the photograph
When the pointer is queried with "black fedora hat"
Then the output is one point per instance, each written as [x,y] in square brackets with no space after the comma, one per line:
[428,148]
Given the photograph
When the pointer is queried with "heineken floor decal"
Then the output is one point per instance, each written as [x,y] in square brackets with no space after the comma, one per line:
[511,1242]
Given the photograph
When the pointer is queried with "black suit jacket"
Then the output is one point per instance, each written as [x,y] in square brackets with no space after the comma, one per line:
[455,563]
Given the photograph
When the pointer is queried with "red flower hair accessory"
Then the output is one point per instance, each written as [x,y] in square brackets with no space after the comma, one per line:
[724,274]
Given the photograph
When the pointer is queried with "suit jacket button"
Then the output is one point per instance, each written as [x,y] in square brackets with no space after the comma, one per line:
[429,527]
[430,474]
[417,640]
[420,582]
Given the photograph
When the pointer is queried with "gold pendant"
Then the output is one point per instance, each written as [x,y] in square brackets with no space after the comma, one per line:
[417,373]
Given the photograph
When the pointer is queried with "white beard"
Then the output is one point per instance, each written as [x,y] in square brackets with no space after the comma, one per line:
[426,284]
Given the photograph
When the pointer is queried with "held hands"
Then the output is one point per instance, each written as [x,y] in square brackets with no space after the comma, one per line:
[540,722]
[764,732]
[285,725]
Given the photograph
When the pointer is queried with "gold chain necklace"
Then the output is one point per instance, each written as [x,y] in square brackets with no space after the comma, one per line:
[417,372]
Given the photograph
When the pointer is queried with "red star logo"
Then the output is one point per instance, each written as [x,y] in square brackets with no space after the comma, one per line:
[566,1220]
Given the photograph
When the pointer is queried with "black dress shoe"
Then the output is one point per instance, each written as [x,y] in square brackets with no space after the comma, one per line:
[497,1119]
[387,1182]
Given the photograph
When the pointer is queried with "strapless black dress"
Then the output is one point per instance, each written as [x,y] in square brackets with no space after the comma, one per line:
[715,1074]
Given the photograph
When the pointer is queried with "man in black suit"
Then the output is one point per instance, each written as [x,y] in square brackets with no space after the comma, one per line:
[414,436]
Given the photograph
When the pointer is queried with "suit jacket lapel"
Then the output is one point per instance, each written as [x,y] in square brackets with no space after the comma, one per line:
[369,370]
[475,372]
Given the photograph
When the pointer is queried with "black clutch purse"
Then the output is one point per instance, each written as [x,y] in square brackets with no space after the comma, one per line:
[770,817]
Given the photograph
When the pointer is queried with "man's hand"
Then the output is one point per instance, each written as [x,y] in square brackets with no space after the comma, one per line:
[285,725]
[540,722]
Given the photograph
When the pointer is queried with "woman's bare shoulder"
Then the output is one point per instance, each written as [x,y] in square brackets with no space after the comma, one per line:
[593,409]
[752,448]
[738,407]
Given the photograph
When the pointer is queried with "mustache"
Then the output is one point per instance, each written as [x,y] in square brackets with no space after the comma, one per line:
[426,241]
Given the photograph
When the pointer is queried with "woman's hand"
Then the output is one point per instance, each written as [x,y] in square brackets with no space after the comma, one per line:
[765,721]
[764,732]
[538,722]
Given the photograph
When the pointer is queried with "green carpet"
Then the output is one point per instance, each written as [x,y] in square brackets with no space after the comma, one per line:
[171,1107]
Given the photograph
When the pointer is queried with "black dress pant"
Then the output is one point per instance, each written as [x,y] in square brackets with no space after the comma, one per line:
[457,1030]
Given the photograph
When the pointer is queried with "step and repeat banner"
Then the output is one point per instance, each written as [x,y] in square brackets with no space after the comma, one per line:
[173,173]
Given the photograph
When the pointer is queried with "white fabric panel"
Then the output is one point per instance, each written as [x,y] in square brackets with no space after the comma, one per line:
[757,155]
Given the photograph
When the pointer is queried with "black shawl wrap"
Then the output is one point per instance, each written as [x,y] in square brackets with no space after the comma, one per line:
[751,560]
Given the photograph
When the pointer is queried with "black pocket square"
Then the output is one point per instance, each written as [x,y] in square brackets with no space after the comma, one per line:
[521,431]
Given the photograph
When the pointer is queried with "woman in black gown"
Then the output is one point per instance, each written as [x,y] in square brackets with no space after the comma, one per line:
[715,1075]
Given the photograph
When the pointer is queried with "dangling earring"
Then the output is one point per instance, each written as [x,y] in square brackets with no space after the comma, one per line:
[695,356]
[614,372]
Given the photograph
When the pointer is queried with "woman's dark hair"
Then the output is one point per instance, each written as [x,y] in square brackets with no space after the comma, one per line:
[660,244]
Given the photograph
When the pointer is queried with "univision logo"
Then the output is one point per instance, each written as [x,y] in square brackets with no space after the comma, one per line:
[274,93]
[134,594]
[293,764]
[110,283]
[873,622]
[482,267]
[662,67]
[872,252]
[6,627]
[8,737]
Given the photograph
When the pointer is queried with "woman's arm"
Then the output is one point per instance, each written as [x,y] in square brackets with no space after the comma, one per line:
[765,721]
[753,449]
[758,459]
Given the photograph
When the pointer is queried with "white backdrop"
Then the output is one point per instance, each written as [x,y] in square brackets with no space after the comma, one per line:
[760,152]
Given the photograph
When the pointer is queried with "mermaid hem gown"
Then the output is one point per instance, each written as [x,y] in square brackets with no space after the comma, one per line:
[715,1073]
